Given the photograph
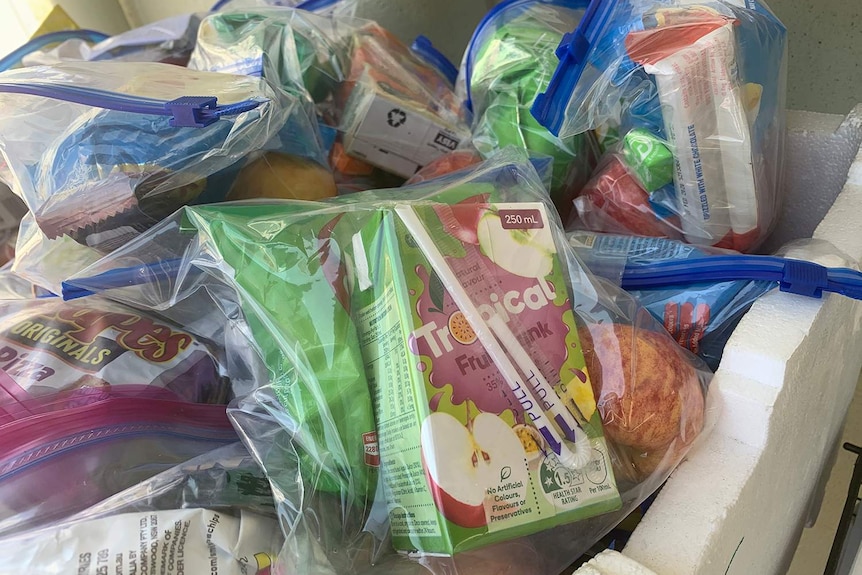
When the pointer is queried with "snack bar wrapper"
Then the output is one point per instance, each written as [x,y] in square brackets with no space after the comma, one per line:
[448,388]
[509,61]
[698,89]
[73,353]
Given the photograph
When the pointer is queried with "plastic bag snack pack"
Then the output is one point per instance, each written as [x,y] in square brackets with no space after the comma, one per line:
[313,386]
[480,352]
[693,96]
[398,113]
[119,146]
[509,61]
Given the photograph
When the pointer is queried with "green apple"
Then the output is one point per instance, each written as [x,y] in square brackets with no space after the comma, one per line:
[526,253]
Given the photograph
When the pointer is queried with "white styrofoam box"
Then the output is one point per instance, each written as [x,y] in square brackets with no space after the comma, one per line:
[613,563]
[738,504]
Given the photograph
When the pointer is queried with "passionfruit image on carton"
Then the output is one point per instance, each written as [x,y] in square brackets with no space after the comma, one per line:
[460,329]
[531,439]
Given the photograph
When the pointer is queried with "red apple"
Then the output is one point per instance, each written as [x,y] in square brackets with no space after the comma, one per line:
[461,464]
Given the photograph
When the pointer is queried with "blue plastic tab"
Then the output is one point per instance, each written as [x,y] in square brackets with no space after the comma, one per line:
[804,278]
[549,108]
[188,111]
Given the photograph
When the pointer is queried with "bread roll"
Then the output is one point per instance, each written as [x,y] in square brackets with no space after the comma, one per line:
[647,391]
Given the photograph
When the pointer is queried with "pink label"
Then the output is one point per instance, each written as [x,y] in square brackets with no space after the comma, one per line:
[521,219]
[457,356]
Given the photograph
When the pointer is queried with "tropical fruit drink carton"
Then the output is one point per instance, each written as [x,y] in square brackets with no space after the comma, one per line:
[487,426]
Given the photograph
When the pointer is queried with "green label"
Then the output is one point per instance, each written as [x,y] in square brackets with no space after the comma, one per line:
[383,344]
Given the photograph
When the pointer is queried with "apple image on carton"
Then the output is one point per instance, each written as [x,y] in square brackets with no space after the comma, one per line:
[461,220]
[461,464]
[522,252]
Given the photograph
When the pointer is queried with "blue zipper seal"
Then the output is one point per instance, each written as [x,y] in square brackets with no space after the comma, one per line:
[423,47]
[549,108]
[489,16]
[121,278]
[15,56]
[185,112]
[793,276]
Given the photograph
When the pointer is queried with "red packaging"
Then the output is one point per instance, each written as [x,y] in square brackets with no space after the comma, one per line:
[614,202]
[452,162]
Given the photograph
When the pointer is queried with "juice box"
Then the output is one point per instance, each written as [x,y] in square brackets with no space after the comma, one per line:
[465,458]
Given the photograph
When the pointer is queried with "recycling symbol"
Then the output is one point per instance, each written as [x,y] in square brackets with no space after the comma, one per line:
[396,117]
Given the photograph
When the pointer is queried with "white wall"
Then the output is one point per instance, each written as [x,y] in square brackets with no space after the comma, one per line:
[825,44]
